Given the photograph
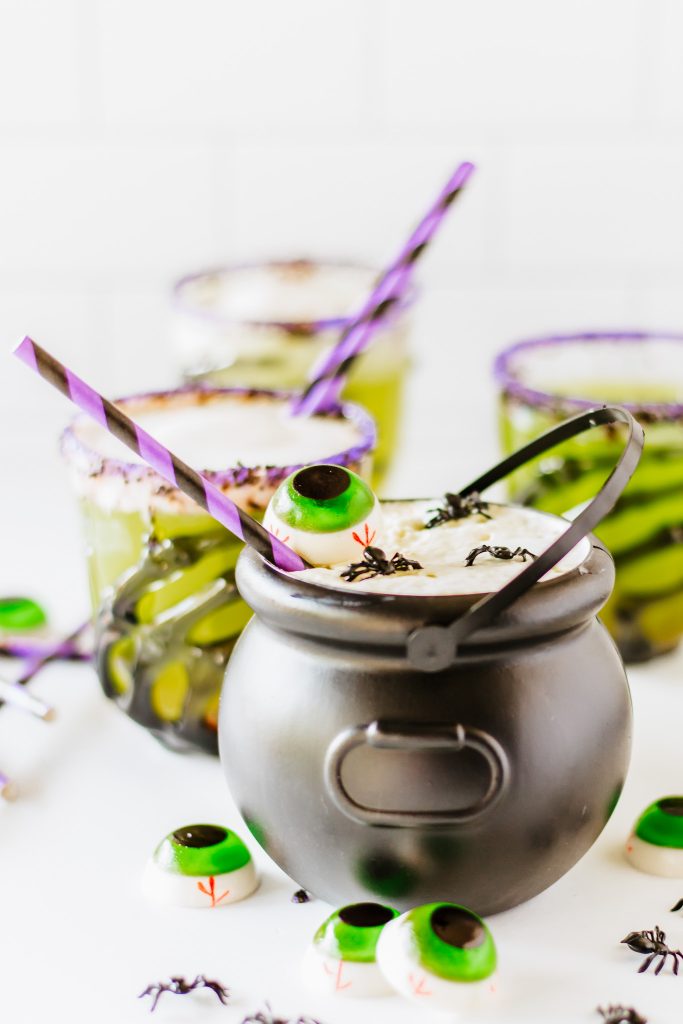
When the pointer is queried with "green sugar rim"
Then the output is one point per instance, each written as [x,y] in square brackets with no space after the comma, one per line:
[355,943]
[229,854]
[659,828]
[440,958]
[328,516]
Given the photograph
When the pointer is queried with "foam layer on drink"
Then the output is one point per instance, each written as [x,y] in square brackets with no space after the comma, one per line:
[246,442]
[443,550]
[291,292]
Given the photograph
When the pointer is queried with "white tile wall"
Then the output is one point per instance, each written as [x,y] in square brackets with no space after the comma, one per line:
[143,138]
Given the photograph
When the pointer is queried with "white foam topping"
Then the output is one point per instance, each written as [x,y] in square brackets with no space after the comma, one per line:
[229,432]
[293,292]
[442,550]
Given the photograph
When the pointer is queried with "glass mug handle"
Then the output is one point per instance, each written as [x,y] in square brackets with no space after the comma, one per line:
[433,648]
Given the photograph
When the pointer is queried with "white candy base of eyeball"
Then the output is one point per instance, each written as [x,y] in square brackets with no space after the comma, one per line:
[326,976]
[175,890]
[665,861]
[424,988]
[330,548]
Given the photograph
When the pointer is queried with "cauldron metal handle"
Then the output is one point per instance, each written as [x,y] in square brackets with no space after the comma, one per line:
[433,648]
[396,736]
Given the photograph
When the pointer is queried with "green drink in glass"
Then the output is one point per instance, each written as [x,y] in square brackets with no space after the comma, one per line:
[267,325]
[543,381]
[161,569]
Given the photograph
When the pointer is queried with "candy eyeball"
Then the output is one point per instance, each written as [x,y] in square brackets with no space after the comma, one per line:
[341,958]
[200,866]
[439,955]
[656,843]
[327,514]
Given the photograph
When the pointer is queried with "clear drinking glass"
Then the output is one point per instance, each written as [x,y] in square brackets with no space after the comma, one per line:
[267,324]
[544,380]
[161,569]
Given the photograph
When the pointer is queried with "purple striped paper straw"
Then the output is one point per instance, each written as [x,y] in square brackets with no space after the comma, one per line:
[168,465]
[66,649]
[328,377]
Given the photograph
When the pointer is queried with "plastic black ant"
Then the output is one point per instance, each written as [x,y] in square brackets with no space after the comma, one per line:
[180,987]
[506,554]
[621,1015]
[376,563]
[269,1018]
[653,945]
[457,507]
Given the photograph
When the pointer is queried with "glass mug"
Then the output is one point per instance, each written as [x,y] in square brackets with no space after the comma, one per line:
[267,325]
[161,569]
[543,380]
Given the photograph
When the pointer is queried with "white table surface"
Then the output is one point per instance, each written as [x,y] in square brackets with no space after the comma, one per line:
[77,940]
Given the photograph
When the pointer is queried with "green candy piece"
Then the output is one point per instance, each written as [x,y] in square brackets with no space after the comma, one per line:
[201,851]
[322,499]
[20,613]
[352,932]
[662,823]
[450,941]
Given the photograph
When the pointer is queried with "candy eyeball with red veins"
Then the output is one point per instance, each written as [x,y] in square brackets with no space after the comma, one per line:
[200,866]
[341,959]
[326,513]
[440,955]
[656,842]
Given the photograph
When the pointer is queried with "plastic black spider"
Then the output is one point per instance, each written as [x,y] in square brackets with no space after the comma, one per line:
[621,1015]
[269,1018]
[301,896]
[653,945]
[457,507]
[677,906]
[499,552]
[376,563]
[180,987]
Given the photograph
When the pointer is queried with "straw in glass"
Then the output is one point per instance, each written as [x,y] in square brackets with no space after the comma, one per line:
[329,375]
[168,465]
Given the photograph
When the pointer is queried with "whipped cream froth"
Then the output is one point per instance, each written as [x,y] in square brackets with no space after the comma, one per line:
[443,550]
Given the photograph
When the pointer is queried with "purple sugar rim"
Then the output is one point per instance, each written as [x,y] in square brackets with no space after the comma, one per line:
[72,447]
[506,376]
[302,328]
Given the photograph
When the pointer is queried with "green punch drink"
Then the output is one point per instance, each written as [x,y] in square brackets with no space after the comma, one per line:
[543,381]
[267,325]
[161,569]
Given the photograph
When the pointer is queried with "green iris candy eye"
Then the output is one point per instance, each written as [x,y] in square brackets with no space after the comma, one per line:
[656,843]
[352,932]
[662,823]
[200,866]
[200,850]
[441,955]
[451,942]
[341,959]
[322,499]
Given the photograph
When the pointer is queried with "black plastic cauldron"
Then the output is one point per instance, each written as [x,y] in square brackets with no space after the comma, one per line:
[416,749]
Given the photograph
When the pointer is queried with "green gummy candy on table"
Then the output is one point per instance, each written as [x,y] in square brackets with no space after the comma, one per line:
[20,613]
[165,593]
[220,851]
[352,933]
[662,823]
[447,961]
[220,624]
